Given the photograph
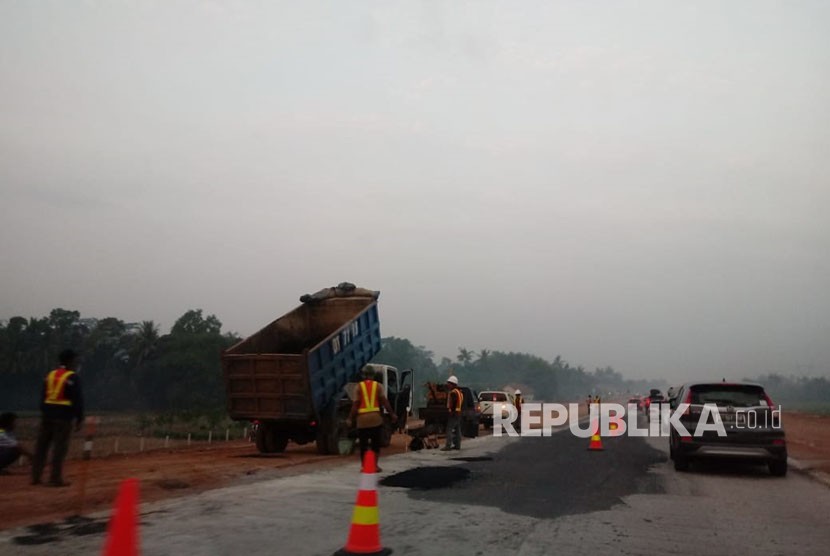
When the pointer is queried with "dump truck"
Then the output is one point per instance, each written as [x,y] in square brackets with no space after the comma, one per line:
[291,376]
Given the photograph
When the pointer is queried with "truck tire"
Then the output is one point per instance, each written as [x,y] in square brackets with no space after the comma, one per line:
[269,440]
[470,429]
[328,433]
[279,441]
[386,433]
[261,436]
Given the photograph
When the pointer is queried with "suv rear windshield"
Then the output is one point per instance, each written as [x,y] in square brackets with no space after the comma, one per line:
[492,397]
[736,395]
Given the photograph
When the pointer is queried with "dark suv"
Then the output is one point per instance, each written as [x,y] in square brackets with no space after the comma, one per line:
[750,420]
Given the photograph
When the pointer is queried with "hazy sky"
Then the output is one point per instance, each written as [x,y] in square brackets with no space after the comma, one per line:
[636,184]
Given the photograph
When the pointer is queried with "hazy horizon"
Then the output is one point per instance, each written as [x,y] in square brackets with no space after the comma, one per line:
[636,184]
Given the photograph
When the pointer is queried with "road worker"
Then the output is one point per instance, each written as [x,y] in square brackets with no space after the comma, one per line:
[366,408]
[61,402]
[455,401]
[518,401]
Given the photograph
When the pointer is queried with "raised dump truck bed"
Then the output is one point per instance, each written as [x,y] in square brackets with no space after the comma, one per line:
[290,375]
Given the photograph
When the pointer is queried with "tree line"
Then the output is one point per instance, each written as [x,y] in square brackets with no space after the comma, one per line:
[556,380]
[132,366]
[123,365]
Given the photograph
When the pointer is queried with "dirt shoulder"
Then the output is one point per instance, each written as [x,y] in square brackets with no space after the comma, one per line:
[808,439]
[162,473]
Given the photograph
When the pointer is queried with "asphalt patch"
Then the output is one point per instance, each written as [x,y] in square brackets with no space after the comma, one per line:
[549,477]
[427,478]
[45,533]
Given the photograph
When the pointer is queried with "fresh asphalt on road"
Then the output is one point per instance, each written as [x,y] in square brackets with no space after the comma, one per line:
[554,476]
[528,496]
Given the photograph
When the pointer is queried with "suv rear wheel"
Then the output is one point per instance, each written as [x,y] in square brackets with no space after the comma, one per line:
[681,463]
[778,468]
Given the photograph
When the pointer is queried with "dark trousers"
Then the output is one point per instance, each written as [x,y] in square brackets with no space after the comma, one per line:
[453,431]
[54,433]
[369,440]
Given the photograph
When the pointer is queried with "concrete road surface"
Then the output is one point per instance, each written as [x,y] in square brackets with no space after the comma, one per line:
[506,496]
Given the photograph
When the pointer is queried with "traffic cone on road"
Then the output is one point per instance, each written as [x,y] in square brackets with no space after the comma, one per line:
[122,532]
[364,535]
[596,440]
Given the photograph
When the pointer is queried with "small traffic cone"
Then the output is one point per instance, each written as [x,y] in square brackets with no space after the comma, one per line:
[122,532]
[364,535]
[596,440]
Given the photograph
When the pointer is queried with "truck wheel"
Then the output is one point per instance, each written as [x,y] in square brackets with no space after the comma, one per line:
[261,439]
[386,434]
[328,437]
[279,441]
[470,430]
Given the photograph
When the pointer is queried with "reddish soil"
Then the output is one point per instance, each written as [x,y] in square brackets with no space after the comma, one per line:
[163,474]
[808,439]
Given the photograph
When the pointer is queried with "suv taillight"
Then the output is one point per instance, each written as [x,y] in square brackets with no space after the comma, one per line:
[688,400]
[769,400]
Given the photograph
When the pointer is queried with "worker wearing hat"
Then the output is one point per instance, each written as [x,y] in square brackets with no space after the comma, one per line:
[455,401]
[518,400]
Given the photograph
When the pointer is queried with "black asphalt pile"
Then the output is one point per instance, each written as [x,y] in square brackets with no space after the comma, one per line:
[44,533]
[557,475]
[427,478]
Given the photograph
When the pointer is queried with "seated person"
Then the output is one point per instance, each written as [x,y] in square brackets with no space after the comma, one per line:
[10,448]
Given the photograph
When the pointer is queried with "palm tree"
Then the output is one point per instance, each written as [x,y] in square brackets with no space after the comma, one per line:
[143,344]
[465,356]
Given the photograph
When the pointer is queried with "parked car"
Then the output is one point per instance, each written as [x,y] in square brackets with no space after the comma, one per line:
[747,412]
[491,401]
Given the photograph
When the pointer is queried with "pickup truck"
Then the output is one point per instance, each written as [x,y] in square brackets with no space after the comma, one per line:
[491,401]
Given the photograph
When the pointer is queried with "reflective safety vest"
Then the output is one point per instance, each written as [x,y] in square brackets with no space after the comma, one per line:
[368,397]
[56,387]
[459,397]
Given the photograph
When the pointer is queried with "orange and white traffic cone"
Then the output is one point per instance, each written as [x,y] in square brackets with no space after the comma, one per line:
[596,440]
[364,535]
[122,532]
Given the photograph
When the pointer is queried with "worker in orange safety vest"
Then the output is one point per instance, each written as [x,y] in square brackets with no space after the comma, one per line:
[61,402]
[366,408]
[455,401]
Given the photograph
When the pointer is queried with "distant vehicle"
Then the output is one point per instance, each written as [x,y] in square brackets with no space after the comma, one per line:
[492,401]
[671,393]
[752,432]
[654,396]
